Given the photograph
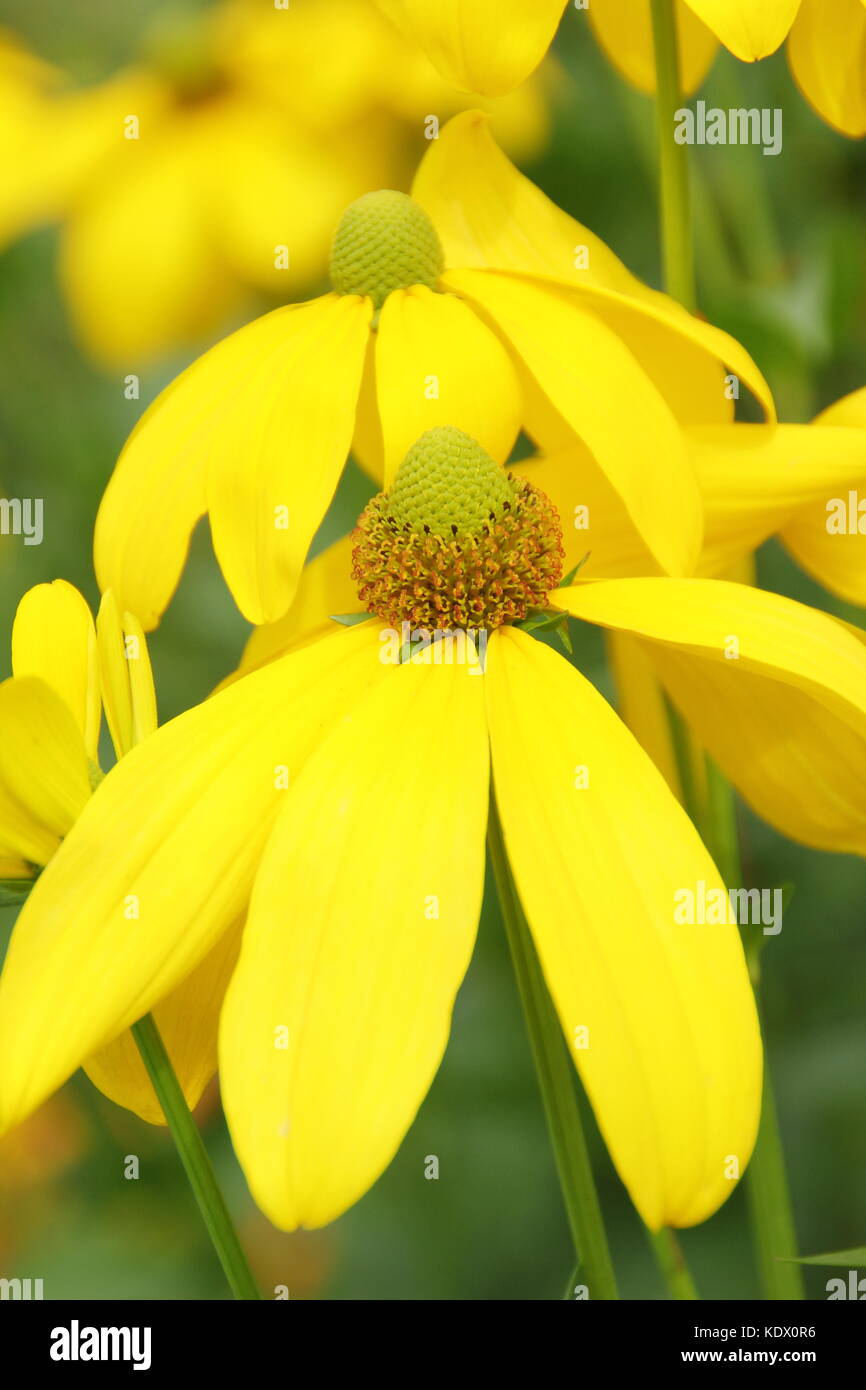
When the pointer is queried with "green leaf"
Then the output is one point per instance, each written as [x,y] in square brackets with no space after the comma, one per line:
[851,1259]
[349,619]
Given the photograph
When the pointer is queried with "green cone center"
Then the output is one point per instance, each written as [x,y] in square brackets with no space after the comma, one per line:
[447,485]
[384,242]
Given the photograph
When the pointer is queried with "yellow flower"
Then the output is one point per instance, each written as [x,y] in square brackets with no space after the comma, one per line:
[218,163]
[491,330]
[340,800]
[825,44]
[66,673]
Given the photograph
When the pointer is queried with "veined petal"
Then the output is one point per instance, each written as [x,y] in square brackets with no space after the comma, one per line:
[126,678]
[160,864]
[222,416]
[583,368]
[640,703]
[751,29]
[282,448]
[774,690]
[361,927]
[827,54]
[828,537]
[488,215]
[188,1020]
[488,46]
[44,779]
[326,588]
[53,638]
[438,364]
[624,30]
[659,1016]
[755,478]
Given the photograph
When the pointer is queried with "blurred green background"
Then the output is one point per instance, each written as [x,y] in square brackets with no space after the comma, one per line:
[782,263]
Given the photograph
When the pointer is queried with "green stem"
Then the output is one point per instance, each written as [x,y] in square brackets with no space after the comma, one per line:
[672,1264]
[675,210]
[767,1181]
[556,1081]
[194,1158]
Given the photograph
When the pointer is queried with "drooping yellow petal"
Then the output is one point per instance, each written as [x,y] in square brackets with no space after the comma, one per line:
[756,479]
[624,30]
[751,29]
[658,1014]
[438,364]
[488,215]
[127,680]
[488,46]
[258,429]
[774,690]
[826,53]
[360,930]
[188,1020]
[44,779]
[828,537]
[583,369]
[53,638]
[160,864]
[641,705]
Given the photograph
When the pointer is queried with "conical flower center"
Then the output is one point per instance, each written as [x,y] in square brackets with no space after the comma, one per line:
[384,242]
[457,542]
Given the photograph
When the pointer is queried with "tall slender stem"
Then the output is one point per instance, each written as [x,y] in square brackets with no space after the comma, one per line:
[767,1182]
[193,1156]
[556,1082]
[672,1264]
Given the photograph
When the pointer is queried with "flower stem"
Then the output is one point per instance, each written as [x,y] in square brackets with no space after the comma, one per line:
[672,1264]
[194,1158]
[556,1081]
[767,1182]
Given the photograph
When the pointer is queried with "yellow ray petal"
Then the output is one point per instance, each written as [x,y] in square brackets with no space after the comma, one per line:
[834,550]
[188,1020]
[659,1016]
[53,638]
[160,864]
[624,30]
[641,705]
[488,215]
[338,1014]
[755,478]
[826,54]
[262,420]
[488,46]
[44,779]
[774,690]
[583,369]
[437,364]
[126,677]
[751,29]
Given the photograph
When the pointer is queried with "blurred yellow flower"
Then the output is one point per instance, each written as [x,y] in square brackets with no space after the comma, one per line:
[219,163]
[341,798]
[67,671]
[826,39]
[475,303]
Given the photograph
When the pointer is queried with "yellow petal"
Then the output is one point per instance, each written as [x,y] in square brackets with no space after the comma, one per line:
[584,370]
[751,29]
[828,537]
[825,52]
[263,420]
[755,479]
[360,930]
[641,704]
[53,638]
[488,215]
[44,779]
[188,1020]
[659,1016]
[127,680]
[160,864]
[437,364]
[624,30]
[488,46]
[774,690]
